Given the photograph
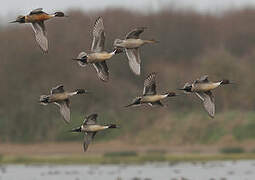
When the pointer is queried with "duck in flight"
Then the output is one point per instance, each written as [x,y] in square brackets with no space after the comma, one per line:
[37,18]
[150,95]
[131,44]
[60,97]
[98,55]
[202,88]
[90,127]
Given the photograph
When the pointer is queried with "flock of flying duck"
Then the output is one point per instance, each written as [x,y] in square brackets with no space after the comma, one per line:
[97,57]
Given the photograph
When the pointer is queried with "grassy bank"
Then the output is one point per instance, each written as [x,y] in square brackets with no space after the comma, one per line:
[122,159]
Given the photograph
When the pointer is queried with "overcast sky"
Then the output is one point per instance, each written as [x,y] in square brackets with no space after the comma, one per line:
[10,7]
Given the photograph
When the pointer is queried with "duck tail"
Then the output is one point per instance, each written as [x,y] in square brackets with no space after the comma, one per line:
[44,99]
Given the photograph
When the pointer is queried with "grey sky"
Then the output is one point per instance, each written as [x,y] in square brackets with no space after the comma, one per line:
[13,7]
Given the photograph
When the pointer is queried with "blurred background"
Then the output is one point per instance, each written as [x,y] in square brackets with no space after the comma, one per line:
[216,38]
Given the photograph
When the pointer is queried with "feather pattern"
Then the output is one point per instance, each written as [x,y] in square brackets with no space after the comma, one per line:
[40,35]
[57,89]
[88,137]
[134,60]
[64,107]
[150,84]
[98,36]
[90,120]
[208,102]
[135,33]
[102,70]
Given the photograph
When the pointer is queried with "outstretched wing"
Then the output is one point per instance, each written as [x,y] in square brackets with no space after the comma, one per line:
[64,107]
[88,137]
[58,89]
[36,11]
[134,60]
[208,102]
[203,79]
[40,35]
[90,120]
[102,70]
[135,33]
[150,84]
[98,36]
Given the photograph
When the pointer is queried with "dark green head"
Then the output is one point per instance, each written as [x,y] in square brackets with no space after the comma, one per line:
[81,91]
[187,87]
[225,81]
[118,50]
[59,14]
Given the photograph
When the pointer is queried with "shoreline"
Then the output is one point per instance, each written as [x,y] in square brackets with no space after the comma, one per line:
[132,159]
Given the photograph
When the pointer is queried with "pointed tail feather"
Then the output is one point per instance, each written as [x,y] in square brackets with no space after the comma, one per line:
[113,126]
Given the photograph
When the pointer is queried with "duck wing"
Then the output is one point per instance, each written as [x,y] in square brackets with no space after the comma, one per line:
[98,36]
[134,60]
[203,79]
[64,107]
[88,137]
[135,33]
[208,102]
[40,35]
[57,89]
[102,70]
[150,85]
[90,120]
[36,11]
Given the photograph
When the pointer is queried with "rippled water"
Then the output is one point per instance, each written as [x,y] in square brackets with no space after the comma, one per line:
[217,170]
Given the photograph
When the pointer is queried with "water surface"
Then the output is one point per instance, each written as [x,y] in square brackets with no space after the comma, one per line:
[215,170]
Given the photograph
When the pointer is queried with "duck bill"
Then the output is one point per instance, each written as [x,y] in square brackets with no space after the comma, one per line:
[182,89]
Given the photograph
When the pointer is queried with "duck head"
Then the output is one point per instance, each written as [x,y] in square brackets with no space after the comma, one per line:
[187,87]
[59,14]
[82,59]
[225,81]
[19,19]
[76,130]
